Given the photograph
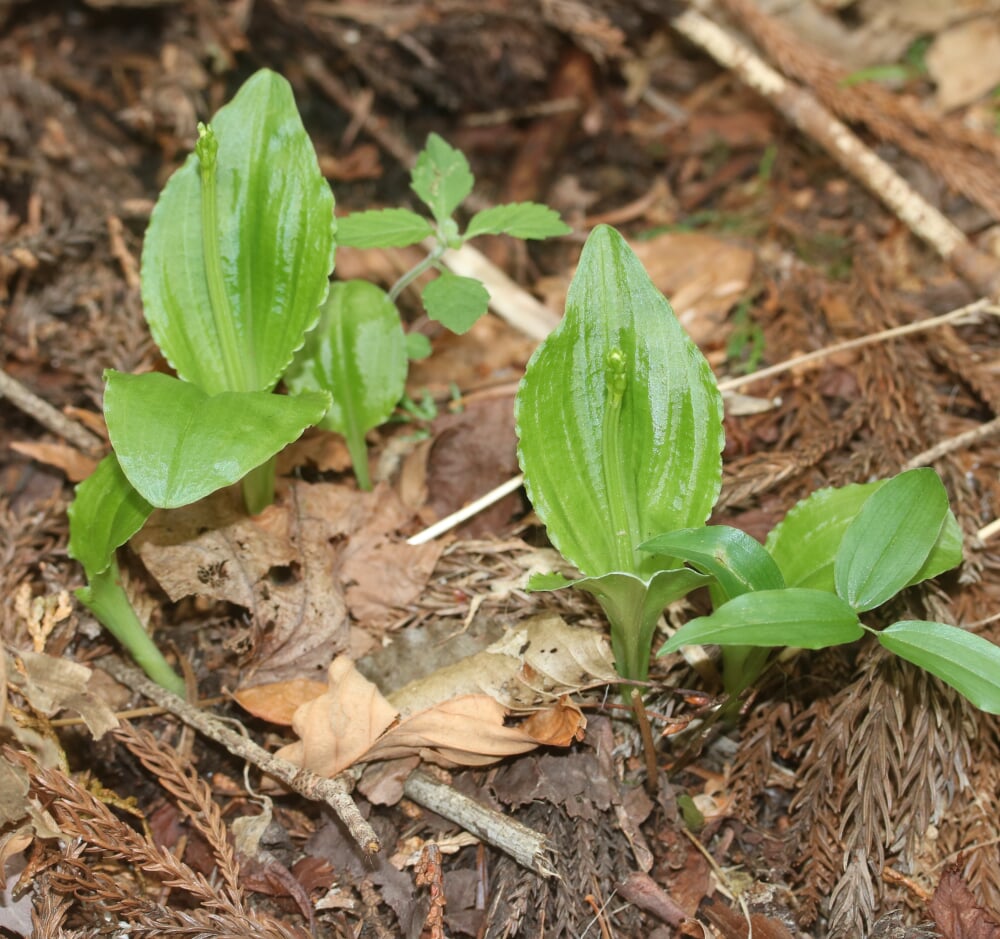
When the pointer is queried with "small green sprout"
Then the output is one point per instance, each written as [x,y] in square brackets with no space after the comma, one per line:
[620,427]
[359,353]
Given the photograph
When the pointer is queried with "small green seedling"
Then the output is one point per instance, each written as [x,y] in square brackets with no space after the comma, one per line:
[235,265]
[359,352]
[619,419]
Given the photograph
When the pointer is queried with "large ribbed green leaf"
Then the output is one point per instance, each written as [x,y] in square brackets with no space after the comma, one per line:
[619,418]
[240,245]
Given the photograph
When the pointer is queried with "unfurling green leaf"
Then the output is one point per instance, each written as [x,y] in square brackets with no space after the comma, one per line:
[382,228]
[520,219]
[441,178]
[794,616]
[891,538]
[357,353]
[456,302]
[738,562]
[615,454]
[176,444]
[967,662]
[240,245]
[633,605]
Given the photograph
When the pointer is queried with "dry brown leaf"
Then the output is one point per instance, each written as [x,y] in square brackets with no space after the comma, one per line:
[339,727]
[71,461]
[964,61]
[52,684]
[956,913]
[533,664]
[464,731]
[300,567]
[473,452]
[278,701]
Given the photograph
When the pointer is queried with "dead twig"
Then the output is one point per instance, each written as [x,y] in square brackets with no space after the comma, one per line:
[529,848]
[334,792]
[49,417]
[805,111]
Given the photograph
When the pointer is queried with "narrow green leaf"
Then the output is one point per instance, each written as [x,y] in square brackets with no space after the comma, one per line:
[382,228]
[805,542]
[441,178]
[738,562]
[456,302]
[946,553]
[105,513]
[619,418]
[357,353]
[967,662]
[891,538]
[240,245]
[520,219]
[795,616]
[633,605]
[177,444]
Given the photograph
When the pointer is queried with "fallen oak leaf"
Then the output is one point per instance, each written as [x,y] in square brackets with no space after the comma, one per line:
[471,731]
[338,728]
[352,723]
[277,701]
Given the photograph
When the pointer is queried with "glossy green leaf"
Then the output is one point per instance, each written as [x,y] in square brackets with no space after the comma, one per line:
[441,178]
[805,542]
[891,538]
[738,562]
[795,616]
[967,662]
[177,444]
[240,245]
[946,553]
[383,228]
[520,219]
[619,418]
[633,605]
[105,513]
[455,301]
[357,353]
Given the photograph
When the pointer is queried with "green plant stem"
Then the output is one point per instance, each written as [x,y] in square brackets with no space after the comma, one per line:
[258,487]
[234,364]
[106,598]
[358,449]
[414,272]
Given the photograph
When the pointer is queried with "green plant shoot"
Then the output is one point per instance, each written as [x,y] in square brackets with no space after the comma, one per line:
[620,437]
[358,353]
[619,422]
[235,265]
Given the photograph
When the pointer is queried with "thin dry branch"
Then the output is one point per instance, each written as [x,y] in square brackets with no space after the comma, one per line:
[803,110]
[334,792]
[27,401]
